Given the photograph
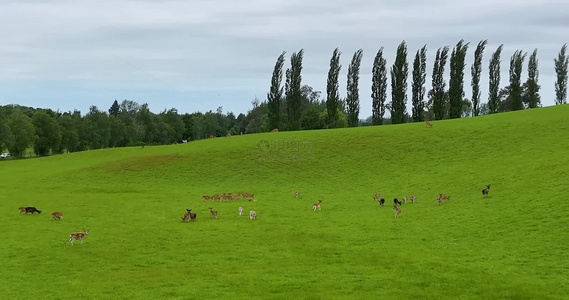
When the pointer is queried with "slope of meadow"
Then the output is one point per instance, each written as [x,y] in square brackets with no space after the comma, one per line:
[510,245]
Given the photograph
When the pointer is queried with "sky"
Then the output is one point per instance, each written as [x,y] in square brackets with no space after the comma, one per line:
[202,54]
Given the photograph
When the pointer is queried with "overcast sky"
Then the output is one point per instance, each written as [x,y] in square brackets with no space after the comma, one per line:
[201,54]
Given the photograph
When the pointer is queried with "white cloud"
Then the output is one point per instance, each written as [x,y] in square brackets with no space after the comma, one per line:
[197,55]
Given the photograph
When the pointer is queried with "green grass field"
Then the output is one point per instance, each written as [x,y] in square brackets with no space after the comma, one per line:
[511,245]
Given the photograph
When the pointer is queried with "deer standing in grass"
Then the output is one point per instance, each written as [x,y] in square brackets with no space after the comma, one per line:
[317,206]
[486,190]
[397,210]
[297,194]
[78,236]
[377,196]
[240,210]
[213,212]
[428,124]
[405,198]
[252,215]
[414,198]
[56,215]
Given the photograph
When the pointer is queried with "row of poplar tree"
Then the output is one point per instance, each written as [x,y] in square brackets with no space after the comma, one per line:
[441,104]
[294,106]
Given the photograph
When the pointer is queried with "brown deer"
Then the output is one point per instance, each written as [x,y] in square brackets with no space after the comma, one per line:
[206,197]
[78,235]
[317,206]
[252,215]
[442,198]
[189,215]
[297,194]
[56,215]
[428,124]
[414,198]
[377,196]
[397,210]
[228,134]
[213,212]
[275,130]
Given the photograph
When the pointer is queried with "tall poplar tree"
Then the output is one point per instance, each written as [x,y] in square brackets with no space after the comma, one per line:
[494,81]
[353,97]
[456,84]
[561,63]
[379,88]
[476,70]
[516,66]
[276,93]
[294,100]
[418,87]
[399,72]
[333,96]
[438,84]
[533,97]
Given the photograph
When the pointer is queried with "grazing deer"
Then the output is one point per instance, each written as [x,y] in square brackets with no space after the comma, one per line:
[486,190]
[78,235]
[275,130]
[228,134]
[210,136]
[252,215]
[56,215]
[213,212]
[317,206]
[22,209]
[297,194]
[414,198]
[397,210]
[240,210]
[206,197]
[381,201]
[377,196]
[442,198]
[396,202]
[246,195]
[405,199]
[31,209]
[189,215]
[428,124]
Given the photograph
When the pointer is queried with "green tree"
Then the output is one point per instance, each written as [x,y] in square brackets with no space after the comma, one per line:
[118,132]
[399,72]
[533,97]
[353,97]
[439,84]
[294,100]
[22,133]
[516,65]
[418,86]
[5,132]
[115,109]
[175,125]
[276,93]
[48,135]
[96,131]
[69,127]
[311,119]
[456,84]
[332,87]
[379,87]
[476,70]
[561,63]
[494,81]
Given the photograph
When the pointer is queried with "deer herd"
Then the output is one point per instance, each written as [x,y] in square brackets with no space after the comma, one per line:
[191,216]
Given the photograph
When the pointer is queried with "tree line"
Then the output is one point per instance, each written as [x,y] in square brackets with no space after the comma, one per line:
[294,106]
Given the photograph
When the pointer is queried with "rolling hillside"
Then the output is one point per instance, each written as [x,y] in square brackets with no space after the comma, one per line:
[510,245]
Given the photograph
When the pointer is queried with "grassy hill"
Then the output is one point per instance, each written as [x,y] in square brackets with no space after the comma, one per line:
[511,245]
